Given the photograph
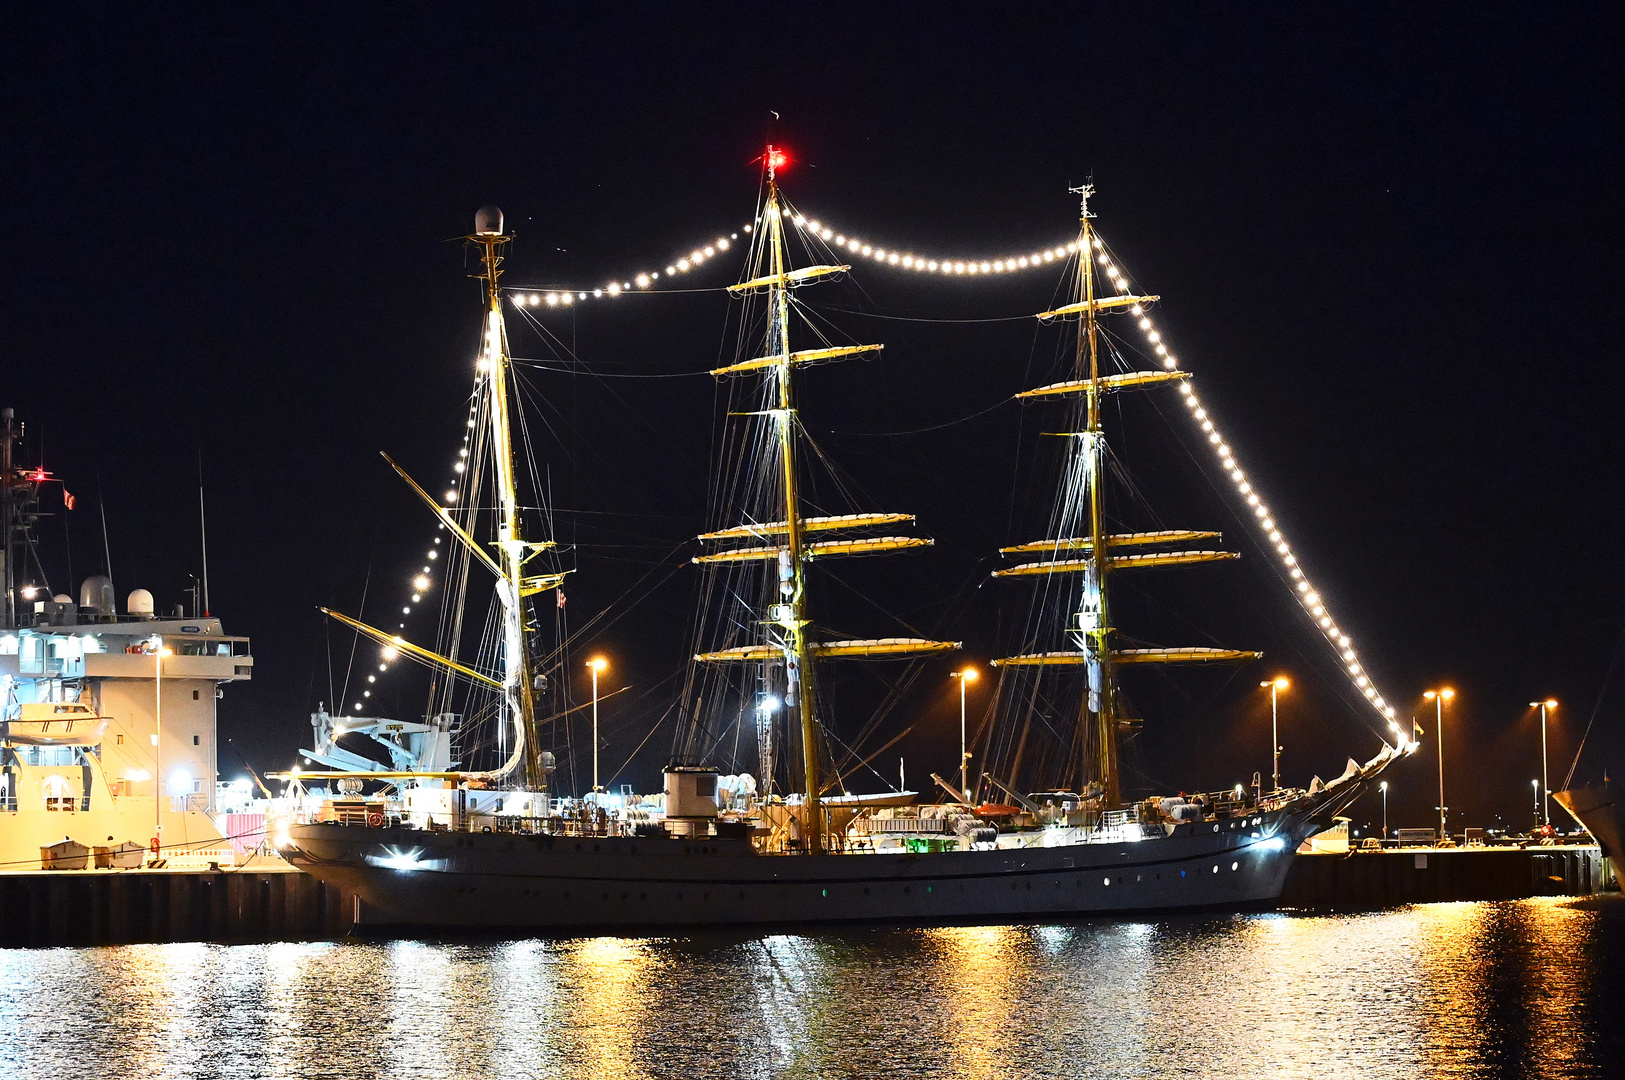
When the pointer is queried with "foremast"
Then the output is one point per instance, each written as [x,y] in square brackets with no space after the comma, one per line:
[1091,629]
[513,585]
[788,546]
[517,685]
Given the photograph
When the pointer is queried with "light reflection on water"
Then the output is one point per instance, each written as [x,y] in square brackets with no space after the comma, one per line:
[1527,988]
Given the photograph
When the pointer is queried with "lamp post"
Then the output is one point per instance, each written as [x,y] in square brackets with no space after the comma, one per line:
[1383,787]
[967,675]
[1545,809]
[159,651]
[1439,697]
[595,665]
[1535,784]
[1276,685]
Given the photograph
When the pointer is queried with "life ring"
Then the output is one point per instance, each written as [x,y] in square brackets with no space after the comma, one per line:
[375,819]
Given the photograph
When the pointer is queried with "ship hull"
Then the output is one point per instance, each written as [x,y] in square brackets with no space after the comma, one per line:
[1600,808]
[414,880]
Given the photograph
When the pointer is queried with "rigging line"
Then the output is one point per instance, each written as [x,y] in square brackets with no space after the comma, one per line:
[1595,709]
[1247,531]
[920,431]
[543,365]
[913,319]
[357,640]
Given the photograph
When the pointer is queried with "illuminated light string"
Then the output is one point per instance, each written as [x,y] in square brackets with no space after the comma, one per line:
[1033,259]
[423,580]
[1308,597]
[641,281]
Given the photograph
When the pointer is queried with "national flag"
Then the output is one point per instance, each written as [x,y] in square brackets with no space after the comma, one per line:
[67,499]
[560,594]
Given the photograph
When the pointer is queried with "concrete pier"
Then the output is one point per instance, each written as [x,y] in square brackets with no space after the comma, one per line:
[1377,879]
[114,907]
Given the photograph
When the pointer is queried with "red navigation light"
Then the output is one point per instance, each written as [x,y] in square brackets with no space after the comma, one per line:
[776,159]
[38,476]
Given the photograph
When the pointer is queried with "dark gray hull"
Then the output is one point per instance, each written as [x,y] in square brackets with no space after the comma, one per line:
[410,879]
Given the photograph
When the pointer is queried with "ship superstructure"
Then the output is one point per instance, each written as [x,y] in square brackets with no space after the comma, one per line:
[108,728]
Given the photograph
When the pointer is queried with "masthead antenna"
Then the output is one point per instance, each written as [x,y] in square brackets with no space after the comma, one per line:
[1083,192]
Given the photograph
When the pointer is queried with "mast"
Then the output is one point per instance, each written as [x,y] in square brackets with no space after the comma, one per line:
[510,543]
[791,613]
[1098,551]
[1094,623]
[784,542]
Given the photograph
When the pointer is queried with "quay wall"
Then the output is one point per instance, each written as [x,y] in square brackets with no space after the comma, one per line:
[1376,879]
[115,907]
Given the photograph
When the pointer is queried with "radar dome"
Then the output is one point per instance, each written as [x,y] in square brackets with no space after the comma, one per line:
[96,593]
[488,221]
[140,603]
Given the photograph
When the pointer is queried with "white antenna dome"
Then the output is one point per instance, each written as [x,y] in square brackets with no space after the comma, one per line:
[488,221]
[140,603]
[96,593]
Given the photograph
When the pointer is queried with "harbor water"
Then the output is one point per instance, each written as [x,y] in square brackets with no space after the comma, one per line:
[1524,988]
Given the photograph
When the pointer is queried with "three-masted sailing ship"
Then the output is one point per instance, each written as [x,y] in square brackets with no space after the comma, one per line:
[499,851]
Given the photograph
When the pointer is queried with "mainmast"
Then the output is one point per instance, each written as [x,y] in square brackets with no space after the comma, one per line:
[787,544]
[1094,625]
[495,361]
[791,613]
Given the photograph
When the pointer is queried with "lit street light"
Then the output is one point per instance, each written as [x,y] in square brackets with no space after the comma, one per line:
[1439,697]
[1384,788]
[595,665]
[159,651]
[1276,685]
[1535,784]
[968,675]
[1545,811]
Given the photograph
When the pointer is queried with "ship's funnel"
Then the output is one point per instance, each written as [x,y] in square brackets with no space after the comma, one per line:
[96,593]
[140,603]
[488,221]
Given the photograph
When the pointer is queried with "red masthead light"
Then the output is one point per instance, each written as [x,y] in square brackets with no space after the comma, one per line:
[776,159]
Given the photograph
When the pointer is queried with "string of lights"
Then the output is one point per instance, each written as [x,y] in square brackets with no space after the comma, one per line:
[907,260]
[642,281]
[1308,597]
[423,580]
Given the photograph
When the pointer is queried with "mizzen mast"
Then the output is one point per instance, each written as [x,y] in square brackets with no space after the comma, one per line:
[1091,630]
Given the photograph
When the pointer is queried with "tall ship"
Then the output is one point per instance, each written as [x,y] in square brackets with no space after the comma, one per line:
[498,850]
[108,741]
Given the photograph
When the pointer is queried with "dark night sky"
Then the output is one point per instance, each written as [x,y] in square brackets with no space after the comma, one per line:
[1387,241]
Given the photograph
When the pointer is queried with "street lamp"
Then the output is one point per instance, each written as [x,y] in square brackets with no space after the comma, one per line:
[1384,789]
[1545,784]
[1535,784]
[595,665]
[1276,685]
[1439,697]
[159,651]
[968,675]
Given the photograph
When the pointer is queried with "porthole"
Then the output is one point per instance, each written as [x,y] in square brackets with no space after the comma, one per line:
[823,892]
[1215,826]
[1215,868]
[1235,866]
[866,890]
[1106,881]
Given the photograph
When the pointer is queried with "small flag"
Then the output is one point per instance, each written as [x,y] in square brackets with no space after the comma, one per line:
[68,500]
[560,595]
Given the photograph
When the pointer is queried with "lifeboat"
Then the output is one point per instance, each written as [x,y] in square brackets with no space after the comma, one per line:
[53,723]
